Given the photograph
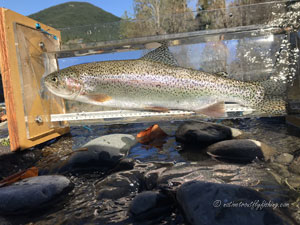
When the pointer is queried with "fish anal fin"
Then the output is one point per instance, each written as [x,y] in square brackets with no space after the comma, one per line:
[157,109]
[99,97]
[214,110]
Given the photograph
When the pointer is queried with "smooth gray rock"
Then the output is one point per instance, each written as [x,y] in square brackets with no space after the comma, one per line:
[111,142]
[149,205]
[211,203]
[31,193]
[201,134]
[103,152]
[242,151]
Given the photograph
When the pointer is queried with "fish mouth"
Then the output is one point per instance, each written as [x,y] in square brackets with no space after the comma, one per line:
[49,88]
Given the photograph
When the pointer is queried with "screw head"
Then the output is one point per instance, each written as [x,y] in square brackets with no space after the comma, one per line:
[42,45]
[38,119]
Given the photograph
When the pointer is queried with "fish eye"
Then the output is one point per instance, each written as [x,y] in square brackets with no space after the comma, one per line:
[54,79]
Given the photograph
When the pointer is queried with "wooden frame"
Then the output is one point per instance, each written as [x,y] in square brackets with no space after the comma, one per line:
[31,126]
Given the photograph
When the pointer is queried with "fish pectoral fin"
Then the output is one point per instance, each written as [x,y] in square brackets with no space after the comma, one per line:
[157,109]
[214,110]
[99,97]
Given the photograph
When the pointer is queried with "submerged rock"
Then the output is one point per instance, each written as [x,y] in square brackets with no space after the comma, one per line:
[281,170]
[31,193]
[150,205]
[295,165]
[242,151]
[284,158]
[151,177]
[248,175]
[211,203]
[124,164]
[120,184]
[293,182]
[201,134]
[182,172]
[4,221]
[103,152]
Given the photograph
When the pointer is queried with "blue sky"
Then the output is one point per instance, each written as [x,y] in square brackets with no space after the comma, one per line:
[116,7]
[27,7]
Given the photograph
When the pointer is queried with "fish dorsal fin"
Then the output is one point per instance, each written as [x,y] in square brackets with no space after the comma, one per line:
[161,54]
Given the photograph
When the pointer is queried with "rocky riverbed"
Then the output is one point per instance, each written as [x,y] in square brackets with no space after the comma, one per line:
[201,173]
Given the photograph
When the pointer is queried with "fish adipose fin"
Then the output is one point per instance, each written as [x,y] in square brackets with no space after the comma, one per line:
[157,109]
[99,97]
[222,74]
[161,54]
[214,110]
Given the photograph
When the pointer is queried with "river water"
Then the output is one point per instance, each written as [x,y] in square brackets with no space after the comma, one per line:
[81,206]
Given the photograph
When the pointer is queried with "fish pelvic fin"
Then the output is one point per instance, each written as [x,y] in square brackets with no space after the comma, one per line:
[99,97]
[161,54]
[214,110]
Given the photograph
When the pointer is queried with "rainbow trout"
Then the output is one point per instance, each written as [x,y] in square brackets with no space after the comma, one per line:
[153,82]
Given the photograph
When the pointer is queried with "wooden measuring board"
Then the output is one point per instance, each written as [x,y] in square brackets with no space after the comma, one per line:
[23,62]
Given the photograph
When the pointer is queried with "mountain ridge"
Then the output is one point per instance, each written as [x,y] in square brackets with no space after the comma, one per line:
[80,21]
